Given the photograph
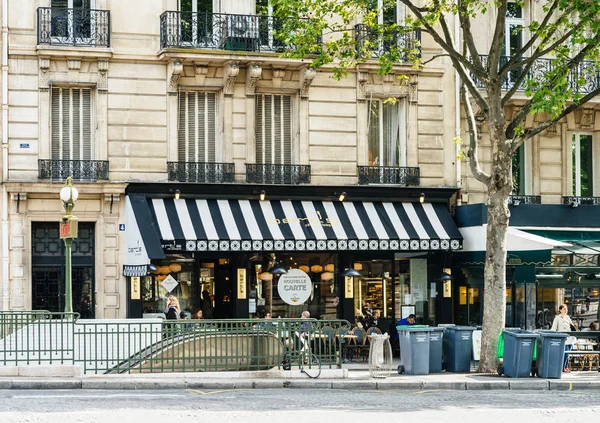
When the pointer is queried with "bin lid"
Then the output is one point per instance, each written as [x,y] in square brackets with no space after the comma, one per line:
[551,334]
[521,333]
[415,328]
[461,328]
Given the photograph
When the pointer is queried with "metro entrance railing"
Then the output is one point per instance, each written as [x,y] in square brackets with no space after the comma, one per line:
[155,346]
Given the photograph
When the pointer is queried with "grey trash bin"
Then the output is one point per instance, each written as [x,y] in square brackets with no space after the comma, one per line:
[458,346]
[414,350]
[518,352]
[550,354]
[436,337]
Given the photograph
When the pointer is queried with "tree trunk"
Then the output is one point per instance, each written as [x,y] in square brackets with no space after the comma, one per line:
[494,293]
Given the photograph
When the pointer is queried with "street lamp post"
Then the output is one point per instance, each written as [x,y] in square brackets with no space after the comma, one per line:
[68,231]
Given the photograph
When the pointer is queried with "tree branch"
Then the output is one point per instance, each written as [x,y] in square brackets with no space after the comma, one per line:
[567,69]
[465,24]
[537,33]
[570,109]
[472,153]
[498,39]
[435,56]
[461,64]
[478,71]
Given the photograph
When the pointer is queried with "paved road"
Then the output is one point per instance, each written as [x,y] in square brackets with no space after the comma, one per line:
[306,405]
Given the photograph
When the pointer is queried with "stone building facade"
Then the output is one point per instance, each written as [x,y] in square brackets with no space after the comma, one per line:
[100,90]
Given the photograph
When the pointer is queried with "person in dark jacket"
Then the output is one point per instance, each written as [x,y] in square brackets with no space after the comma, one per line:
[172,308]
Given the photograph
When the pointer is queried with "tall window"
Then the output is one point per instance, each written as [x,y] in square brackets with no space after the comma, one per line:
[196,131]
[518,171]
[582,165]
[71,131]
[387,13]
[68,26]
[387,133]
[273,129]
[196,21]
[513,36]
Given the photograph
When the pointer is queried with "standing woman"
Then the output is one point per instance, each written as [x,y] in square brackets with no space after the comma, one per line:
[172,309]
[563,323]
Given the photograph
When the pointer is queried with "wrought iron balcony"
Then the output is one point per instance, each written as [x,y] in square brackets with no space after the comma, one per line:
[583,79]
[200,172]
[389,175]
[73,27]
[220,31]
[367,39]
[575,201]
[277,174]
[517,200]
[79,170]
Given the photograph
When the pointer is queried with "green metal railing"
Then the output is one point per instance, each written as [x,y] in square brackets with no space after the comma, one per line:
[155,346]
[36,337]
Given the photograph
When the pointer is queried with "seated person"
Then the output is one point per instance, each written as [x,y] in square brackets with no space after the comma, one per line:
[409,321]
[372,321]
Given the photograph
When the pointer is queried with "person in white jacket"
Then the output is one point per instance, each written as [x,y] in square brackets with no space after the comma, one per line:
[562,323]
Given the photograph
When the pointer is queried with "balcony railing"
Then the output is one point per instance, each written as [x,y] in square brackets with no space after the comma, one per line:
[277,174]
[389,175]
[79,170]
[575,201]
[73,27]
[220,31]
[583,79]
[516,200]
[200,172]
[367,39]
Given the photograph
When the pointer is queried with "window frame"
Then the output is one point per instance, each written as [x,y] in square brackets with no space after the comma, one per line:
[575,171]
[294,132]
[218,142]
[402,142]
[93,121]
[70,17]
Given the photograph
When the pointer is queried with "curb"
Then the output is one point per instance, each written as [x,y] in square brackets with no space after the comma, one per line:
[294,383]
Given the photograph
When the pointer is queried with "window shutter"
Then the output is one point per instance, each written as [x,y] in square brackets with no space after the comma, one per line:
[273,129]
[197,132]
[56,123]
[71,133]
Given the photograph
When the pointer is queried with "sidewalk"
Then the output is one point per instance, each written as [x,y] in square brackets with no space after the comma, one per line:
[356,377]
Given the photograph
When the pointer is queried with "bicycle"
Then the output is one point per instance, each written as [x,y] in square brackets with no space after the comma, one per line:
[308,362]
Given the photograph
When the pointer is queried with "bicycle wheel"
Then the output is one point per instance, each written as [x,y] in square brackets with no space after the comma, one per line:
[313,368]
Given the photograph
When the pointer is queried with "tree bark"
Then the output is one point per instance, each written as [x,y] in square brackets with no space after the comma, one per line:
[494,294]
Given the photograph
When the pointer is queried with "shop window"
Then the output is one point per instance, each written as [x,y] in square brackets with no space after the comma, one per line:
[321,269]
[582,159]
[172,278]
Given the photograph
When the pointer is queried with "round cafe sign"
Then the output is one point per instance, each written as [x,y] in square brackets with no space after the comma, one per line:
[294,287]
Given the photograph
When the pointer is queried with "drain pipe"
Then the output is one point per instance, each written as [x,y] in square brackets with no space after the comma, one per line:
[5,256]
[457,115]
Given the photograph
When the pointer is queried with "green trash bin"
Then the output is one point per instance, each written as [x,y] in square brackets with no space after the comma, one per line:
[414,349]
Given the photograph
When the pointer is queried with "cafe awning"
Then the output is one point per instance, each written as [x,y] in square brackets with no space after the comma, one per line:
[278,225]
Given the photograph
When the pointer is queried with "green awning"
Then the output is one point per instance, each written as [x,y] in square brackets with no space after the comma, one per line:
[566,236]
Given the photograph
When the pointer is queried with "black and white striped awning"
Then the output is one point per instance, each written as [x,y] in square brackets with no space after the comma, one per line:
[252,225]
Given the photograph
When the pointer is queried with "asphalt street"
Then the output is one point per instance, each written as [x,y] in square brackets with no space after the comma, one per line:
[284,405]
